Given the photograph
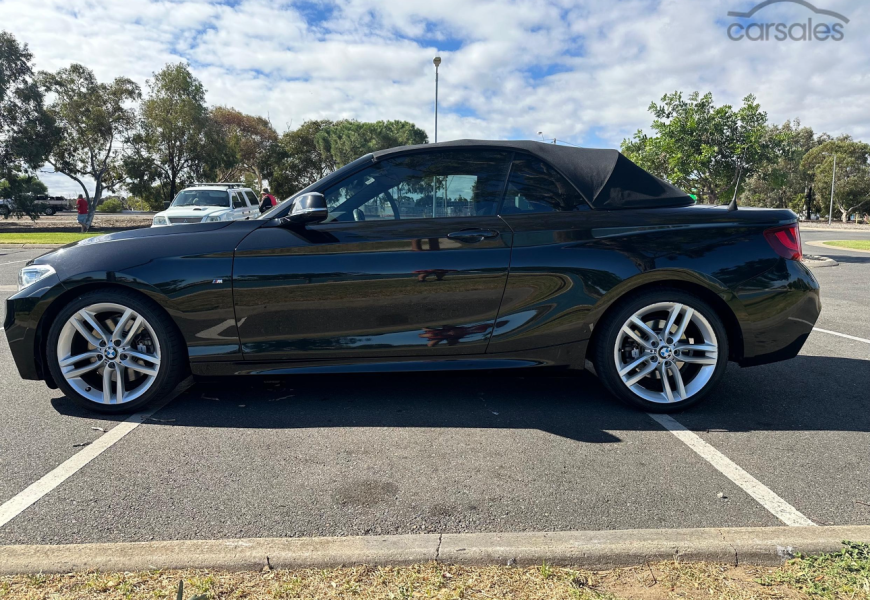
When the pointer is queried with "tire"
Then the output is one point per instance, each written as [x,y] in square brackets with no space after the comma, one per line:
[151,361]
[49,211]
[641,354]
[4,211]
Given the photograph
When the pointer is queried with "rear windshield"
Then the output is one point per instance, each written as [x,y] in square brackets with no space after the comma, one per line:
[202,198]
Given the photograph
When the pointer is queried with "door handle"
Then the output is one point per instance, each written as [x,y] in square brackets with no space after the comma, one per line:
[472,236]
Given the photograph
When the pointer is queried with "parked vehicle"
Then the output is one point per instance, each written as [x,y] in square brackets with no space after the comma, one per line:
[459,255]
[209,203]
[50,205]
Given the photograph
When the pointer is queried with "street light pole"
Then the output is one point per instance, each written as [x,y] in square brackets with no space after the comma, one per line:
[833,179]
[436,61]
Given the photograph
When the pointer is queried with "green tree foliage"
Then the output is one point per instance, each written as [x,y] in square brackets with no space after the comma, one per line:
[296,162]
[94,119]
[175,143]
[21,195]
[249,139]
[317,148]
[852,189]
[782,182]
[27,131]
[701,147]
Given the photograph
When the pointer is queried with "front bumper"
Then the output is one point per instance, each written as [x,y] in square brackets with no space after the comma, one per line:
[780,308]
[24,312]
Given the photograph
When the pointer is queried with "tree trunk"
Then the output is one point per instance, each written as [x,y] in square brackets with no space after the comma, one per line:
[92,206]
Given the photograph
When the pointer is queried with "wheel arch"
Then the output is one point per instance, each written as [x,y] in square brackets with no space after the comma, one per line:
[48,317]
[722,308]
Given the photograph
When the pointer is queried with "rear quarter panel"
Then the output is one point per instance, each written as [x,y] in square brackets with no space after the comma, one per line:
[568,268]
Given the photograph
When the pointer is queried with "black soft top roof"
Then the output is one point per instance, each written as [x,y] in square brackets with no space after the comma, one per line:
[606,178]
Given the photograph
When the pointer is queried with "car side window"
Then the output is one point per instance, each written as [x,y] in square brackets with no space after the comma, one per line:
[535,187]
[422,186]
[237,200]
[252,199]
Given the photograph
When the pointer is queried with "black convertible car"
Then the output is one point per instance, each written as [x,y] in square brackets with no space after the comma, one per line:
[451,256]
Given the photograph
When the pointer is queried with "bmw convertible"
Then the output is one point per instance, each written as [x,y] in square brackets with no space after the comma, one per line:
[452,256]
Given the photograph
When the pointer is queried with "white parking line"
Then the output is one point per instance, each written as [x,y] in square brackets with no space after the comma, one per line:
[17,504]
[842,335]
[14,261]
[778,507]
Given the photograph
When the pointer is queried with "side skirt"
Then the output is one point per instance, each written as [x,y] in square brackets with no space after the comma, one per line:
[567,356]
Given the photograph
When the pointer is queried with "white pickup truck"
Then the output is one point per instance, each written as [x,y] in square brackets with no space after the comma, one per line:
[208,202]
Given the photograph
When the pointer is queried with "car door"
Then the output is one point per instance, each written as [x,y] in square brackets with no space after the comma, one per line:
[412,261]
[253,210]
[240,206]
[558,270]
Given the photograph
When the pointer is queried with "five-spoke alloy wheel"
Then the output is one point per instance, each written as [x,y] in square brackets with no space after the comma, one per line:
[114,351]
[662,350]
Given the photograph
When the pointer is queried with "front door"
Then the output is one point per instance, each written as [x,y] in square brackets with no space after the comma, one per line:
[412,261]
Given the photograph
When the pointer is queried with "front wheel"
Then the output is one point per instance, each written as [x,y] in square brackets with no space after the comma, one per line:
[49,211]
[114,351]
[662,351]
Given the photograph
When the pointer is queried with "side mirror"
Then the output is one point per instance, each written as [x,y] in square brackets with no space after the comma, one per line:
[308,209]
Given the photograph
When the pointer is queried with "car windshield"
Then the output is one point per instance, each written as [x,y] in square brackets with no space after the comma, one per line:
[202,198]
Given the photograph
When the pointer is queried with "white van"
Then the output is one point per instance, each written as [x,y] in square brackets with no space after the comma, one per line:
[209,202]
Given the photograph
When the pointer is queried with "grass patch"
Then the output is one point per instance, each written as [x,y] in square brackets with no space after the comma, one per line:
[44,237]
[853,244]
[839,576]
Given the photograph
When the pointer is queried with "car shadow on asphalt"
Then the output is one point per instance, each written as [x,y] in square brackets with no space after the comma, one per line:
[808,393]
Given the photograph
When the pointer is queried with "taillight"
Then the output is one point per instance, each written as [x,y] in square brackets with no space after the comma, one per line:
[785,241]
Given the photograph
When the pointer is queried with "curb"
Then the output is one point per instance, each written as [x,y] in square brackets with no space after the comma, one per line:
[817,262]
[583,549]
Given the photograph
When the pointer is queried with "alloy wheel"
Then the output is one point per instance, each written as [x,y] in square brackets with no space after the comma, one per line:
[666,352]
[108,353]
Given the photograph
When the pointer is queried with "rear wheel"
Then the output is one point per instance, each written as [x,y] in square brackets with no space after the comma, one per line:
[662,351]
[49,211]
[114,351]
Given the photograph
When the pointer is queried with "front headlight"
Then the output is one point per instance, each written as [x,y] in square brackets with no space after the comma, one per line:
[214,218]
[159,220]
[30,275]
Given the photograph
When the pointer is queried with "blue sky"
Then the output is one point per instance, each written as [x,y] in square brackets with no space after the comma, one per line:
[581,71]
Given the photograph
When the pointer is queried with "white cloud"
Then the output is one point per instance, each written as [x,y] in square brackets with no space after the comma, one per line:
[583,71]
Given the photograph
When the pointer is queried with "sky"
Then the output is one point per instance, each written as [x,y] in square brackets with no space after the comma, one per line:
[581,71]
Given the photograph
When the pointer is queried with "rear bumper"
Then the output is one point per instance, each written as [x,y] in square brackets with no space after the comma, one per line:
[780,307]
[23,313]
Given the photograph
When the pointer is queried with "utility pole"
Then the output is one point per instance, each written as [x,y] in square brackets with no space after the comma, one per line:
[437,62]
[833,179]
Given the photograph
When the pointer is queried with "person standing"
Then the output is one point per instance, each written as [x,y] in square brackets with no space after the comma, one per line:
[267,200]
[82,208]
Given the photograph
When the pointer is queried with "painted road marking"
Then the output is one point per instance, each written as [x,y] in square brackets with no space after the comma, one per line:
[842,335]
[27,497]
[15,261]
[778,507]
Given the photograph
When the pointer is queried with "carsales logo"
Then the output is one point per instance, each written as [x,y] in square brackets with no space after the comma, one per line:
[821,26]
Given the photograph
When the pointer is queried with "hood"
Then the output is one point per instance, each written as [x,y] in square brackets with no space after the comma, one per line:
[192,211]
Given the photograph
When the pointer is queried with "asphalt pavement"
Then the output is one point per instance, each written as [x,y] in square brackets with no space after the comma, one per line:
[367,455]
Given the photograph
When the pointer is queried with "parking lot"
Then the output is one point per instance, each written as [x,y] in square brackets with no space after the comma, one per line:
[359,455]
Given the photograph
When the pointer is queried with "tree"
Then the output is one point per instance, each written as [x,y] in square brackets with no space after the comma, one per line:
[295,162]
[24,192]
[248,137]
[781,182]
[345,141]
[701,147]
[27,131]
[93,118]
[317,148]
[852,189]
[171,147]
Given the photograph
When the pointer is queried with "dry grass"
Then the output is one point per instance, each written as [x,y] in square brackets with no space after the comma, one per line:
[843,575]
[436,581]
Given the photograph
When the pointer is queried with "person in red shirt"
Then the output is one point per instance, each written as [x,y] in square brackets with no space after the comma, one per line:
[267,201]
[82,208]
